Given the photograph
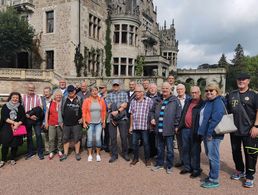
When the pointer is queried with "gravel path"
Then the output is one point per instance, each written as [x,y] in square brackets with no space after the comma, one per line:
[72,177]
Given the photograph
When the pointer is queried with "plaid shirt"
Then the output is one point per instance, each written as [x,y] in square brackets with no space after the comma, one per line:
[140,111]
[117,97]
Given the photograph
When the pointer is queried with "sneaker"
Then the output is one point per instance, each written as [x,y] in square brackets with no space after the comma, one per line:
[237,175]
[2,163]
[169,170]
[51,156]
[157,168]
[60,154]
[12,162]
[98,159]
[90,158]
[64,157]
[78,157]
[210,184]
[249,183]
[41,157]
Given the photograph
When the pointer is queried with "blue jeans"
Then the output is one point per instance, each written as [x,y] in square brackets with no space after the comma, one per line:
[191,150]
[163,141]
[94,130]
[212,151]
[37,131]
[137,134]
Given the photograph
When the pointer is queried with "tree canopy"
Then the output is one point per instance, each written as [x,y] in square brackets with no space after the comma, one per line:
[15,35]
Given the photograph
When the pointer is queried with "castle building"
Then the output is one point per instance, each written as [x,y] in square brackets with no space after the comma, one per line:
[72,37]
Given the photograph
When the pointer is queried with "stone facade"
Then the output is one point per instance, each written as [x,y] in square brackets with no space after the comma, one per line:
[75,30]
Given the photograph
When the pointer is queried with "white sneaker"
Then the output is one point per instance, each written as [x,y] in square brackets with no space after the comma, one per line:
[90,158]
[98,159]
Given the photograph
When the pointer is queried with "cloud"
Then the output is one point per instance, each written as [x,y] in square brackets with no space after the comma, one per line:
[206,29]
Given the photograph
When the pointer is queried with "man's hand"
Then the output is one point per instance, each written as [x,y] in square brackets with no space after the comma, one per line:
[114,113]
[33,117]
[130,130]
[153,122]
[254,132]
[103,125]
[80,121]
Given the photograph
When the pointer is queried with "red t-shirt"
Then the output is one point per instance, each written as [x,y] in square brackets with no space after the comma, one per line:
[188,116]
[53,114]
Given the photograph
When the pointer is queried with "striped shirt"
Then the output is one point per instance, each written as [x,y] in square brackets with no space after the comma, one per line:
[31,101]
[140,111]
[161,115]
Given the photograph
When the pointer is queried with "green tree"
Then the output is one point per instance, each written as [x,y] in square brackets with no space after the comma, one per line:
[223,61]
[251,67]
[239,56]
[15,35]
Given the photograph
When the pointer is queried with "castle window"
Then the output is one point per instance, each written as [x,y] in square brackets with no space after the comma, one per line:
[50,21]
[124,33]
[50,59]
[130,67]
[116,33]
[123,66]
[94,27]
[115,66]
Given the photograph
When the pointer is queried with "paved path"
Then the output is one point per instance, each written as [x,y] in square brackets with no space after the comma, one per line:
[72,177]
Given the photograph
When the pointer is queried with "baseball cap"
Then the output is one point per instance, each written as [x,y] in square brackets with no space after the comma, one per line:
[243,75]
[115,82]
[70,88]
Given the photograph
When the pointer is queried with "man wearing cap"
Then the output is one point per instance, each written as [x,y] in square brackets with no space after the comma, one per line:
[105,138]
[243,103]
[70,118]
[117,103]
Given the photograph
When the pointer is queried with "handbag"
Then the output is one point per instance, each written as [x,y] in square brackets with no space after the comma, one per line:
[21,130]
[226,125]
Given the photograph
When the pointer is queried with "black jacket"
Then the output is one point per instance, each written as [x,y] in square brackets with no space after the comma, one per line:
[195,117]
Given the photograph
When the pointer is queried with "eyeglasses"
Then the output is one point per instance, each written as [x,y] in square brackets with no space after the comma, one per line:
[209,90]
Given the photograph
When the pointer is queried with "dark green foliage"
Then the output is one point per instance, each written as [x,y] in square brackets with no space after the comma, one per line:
[139,65]
[223,61]
[239,56]
[108,47]
[15,35]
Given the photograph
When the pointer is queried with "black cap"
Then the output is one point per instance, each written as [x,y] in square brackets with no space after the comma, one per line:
[70,88]
[243,75]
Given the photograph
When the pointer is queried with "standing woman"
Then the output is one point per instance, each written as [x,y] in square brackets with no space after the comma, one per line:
[51,123]
[94,116]
[210,116]
[12,116]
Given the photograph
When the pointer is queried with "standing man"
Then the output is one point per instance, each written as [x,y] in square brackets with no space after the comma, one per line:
[166,118]
[62,86]
[156,98]
[146,84]
[34,115]
[188,126]
[70,119]
[243,103]
[84,92]
[139,113]
[105,139]
[183,99]
[117,101]
[131,96]
[171,80]
[46,99]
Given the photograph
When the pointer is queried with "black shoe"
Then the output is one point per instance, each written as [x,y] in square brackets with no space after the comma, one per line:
[113,159]
[126,157]
[184,171]
[196,174]
[179,164]
[29,156]
[41,157]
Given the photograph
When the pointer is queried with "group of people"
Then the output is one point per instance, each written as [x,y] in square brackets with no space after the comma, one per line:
[143,116]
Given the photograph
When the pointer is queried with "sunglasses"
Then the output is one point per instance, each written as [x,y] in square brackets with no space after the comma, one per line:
[209,90]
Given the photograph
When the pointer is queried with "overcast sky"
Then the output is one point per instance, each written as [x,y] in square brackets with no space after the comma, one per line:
[207,28]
